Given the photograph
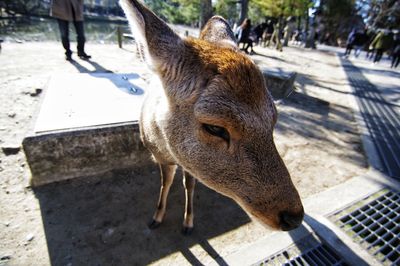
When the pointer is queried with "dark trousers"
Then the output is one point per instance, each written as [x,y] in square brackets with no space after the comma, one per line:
[80,35]
[395,60]
[378,55]
[349,47]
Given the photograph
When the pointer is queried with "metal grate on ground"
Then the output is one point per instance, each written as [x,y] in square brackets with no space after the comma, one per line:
[308,251]
[374,223]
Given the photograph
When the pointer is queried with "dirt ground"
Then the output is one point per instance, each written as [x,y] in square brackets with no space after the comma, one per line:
[102,220]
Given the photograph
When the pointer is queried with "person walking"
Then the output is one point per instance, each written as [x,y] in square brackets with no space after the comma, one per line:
[258,32]
[66,11]
[382,42]
[350,42]
[243,36]
[396,52]
[360,40]
[288,30]
[268,33]
[276,36]
[371,34]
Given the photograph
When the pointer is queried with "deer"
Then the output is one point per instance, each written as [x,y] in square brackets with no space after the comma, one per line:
[208,111]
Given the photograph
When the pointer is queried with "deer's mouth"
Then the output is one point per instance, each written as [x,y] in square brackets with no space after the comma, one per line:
[268,222]
[284,220]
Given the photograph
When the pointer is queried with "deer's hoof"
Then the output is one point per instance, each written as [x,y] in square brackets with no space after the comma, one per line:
[154,224]
[187,231]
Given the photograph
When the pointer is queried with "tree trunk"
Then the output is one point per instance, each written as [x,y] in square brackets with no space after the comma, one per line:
[206,12]
[243,10]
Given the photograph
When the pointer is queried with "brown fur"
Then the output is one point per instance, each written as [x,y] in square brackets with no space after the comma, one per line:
[208,81]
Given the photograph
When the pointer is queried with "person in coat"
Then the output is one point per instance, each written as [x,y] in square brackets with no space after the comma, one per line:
[382,42]
[66,11]
[396,51]
[243,36]
[350,42]
[289,30]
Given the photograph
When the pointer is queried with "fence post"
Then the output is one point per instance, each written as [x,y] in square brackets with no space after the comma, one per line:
[119,33]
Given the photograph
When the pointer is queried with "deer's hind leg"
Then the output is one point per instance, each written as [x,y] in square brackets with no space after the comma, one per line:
[189,183]
[167,173]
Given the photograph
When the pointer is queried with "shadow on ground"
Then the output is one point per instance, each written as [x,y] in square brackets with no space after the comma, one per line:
[318,120]
[103,220]
[314,250]
[380,117]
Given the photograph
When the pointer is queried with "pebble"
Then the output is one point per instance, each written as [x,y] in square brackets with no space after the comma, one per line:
[10,150]
[36,93]
[33,93]
[5,257]
[106,236]
[30,237]
[6,224]
[11,115]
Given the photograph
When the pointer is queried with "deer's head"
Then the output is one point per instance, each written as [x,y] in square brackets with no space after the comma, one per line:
[219,118]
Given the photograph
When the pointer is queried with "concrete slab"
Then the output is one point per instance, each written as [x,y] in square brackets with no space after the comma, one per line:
[84,100]
[87,125]
[279,83]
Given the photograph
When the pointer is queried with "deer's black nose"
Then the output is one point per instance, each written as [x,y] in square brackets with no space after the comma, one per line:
[290,221]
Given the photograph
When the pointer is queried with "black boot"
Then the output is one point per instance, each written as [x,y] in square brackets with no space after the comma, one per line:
[68,56]
[84,56]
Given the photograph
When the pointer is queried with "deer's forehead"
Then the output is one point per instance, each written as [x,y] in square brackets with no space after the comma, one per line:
[226,110]
[229,71]
[235,89]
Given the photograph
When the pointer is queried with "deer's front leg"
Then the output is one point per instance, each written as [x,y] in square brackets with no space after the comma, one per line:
[188,182]
[167,173]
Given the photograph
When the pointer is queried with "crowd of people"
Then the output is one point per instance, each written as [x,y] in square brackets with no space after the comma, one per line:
[272,31]
[280,32]
[275,32]
[376,44]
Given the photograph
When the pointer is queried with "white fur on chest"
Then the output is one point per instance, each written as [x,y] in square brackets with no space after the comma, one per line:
[154,118]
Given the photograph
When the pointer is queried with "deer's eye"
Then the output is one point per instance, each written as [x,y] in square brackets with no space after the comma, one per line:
[217,131]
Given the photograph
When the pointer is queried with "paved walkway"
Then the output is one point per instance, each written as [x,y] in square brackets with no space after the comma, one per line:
[381,118]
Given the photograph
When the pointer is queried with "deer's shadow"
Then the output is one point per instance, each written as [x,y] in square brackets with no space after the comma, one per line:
[103,220]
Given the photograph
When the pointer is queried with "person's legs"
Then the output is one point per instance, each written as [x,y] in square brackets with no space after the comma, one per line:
[80,36]
[373,54]
[378,55]
[278,43]
[394,57]
[246,46]
[397,60]
[64,32]
[251,46]
[348,50]
[357,51]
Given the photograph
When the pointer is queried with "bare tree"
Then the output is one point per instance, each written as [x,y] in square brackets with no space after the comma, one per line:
[385,13]
[243,10]
[206,12]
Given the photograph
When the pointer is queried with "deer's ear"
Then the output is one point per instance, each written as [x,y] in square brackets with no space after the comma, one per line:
[158,43]
[217,30]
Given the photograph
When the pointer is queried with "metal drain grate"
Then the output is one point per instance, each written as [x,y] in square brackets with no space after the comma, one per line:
[374,223]
[317,254]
